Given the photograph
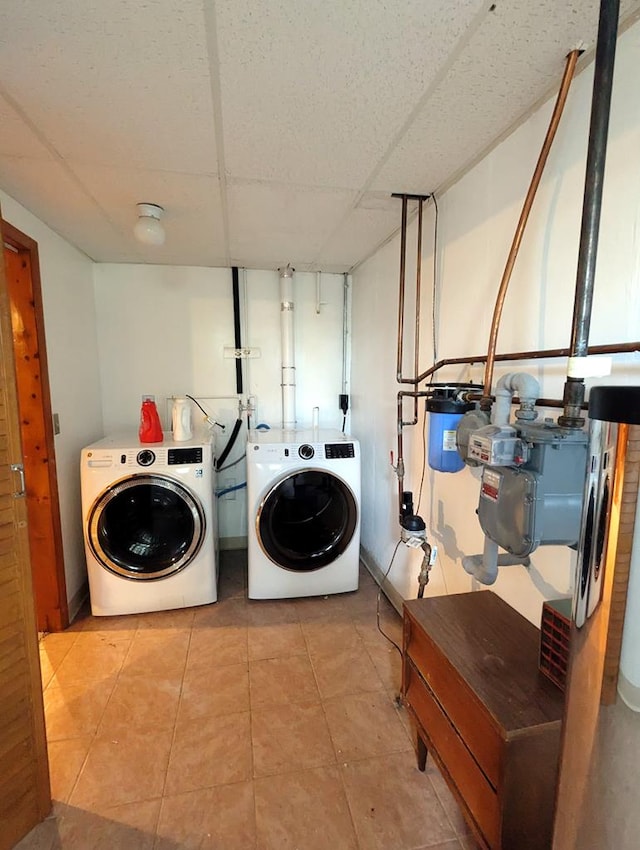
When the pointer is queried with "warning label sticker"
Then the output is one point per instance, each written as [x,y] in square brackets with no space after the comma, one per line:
[491,484]
[449,441]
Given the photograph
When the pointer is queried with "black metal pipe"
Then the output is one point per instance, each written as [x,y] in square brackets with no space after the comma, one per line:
[592,205]
[236,327]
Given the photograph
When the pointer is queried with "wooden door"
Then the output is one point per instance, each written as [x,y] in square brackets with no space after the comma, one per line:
[36,429]
[25,797]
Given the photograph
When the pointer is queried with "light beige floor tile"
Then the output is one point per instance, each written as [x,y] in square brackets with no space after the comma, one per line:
[46,670]
[139,703]
[122,627]
[209,693]
[446,845]
[65,761]
[282,681]
[303,810]
[266,612]
[217,647]
[75,710]
[90,659]
[276,641]
[227,612]
[157,654]
[123,769]
[232,581]
[180,618]
[364,725]
[220,818]
[334,609]
[345,671]
[393,804]
[44,836]
[131,826]
[449,802]
[210,751]
[325,637]
[364,599]
[290,738]
[468,842]
[388,663]
[366,624]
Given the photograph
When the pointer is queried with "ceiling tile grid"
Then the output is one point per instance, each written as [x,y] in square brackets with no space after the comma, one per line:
[459,120]
[313,92]
[324,107]
[271,225]
[113,82]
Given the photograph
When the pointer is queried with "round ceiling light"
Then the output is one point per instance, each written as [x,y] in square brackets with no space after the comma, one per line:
[148,228]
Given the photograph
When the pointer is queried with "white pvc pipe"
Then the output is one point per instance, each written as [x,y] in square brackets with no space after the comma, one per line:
[288,349]
[527,388]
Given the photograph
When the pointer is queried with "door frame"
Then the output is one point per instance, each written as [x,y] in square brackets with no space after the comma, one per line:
[47,557]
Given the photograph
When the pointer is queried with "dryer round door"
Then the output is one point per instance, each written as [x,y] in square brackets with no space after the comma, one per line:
[146,527]
[307,520]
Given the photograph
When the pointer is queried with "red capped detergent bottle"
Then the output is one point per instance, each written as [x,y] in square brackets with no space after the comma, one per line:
[150,427]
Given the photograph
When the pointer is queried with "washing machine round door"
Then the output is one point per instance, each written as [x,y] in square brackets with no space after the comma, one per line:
[307,520]
[146,527]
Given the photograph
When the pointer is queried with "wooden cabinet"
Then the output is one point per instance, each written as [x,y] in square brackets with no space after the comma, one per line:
[488,717]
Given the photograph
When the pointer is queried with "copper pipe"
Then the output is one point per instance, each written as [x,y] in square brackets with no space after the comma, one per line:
[512,356]
[572,58]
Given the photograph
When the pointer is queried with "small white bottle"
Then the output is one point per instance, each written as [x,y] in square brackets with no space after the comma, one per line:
[181,420]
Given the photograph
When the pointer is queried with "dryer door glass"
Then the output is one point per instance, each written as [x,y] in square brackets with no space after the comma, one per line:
[307,520]
[146,527]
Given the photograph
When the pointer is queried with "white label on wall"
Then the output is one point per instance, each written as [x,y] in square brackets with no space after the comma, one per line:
[449,441]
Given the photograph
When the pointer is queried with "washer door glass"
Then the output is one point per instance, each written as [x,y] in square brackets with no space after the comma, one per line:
[146,527]
[307,520]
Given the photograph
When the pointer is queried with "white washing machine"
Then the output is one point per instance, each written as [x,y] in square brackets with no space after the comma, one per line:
[149,524]
[303,491]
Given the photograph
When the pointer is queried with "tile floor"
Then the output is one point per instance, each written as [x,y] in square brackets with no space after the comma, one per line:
[237,726]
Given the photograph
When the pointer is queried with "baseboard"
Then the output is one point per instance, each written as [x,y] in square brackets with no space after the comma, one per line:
[227,543]
[77,601]
[378,576]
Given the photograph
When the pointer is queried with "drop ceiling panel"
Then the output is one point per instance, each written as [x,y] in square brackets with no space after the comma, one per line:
[371,222]
[193,212]
[16,137]
[515,58]
[49,192]
[313,93]
[271,225]
[113,82]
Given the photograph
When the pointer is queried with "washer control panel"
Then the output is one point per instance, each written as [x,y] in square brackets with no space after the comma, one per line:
[337,451]
[306,451]
[145,458]
[176,457]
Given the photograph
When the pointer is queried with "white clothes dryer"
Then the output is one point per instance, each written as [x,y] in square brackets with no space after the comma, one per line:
[149,524]
[303,490]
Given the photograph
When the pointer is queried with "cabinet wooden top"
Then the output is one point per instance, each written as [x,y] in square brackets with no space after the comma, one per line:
[495,650]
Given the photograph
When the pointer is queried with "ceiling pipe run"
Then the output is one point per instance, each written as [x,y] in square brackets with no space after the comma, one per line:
[567,77]
[287,347]
[574,389]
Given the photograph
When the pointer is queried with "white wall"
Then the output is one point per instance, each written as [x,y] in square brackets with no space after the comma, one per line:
[163,329]
[478,216]
[70,330]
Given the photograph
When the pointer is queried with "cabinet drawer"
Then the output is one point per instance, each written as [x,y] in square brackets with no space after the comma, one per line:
[466,712]
[472,785]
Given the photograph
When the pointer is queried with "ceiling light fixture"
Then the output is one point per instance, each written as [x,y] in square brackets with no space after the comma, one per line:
[148,228]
